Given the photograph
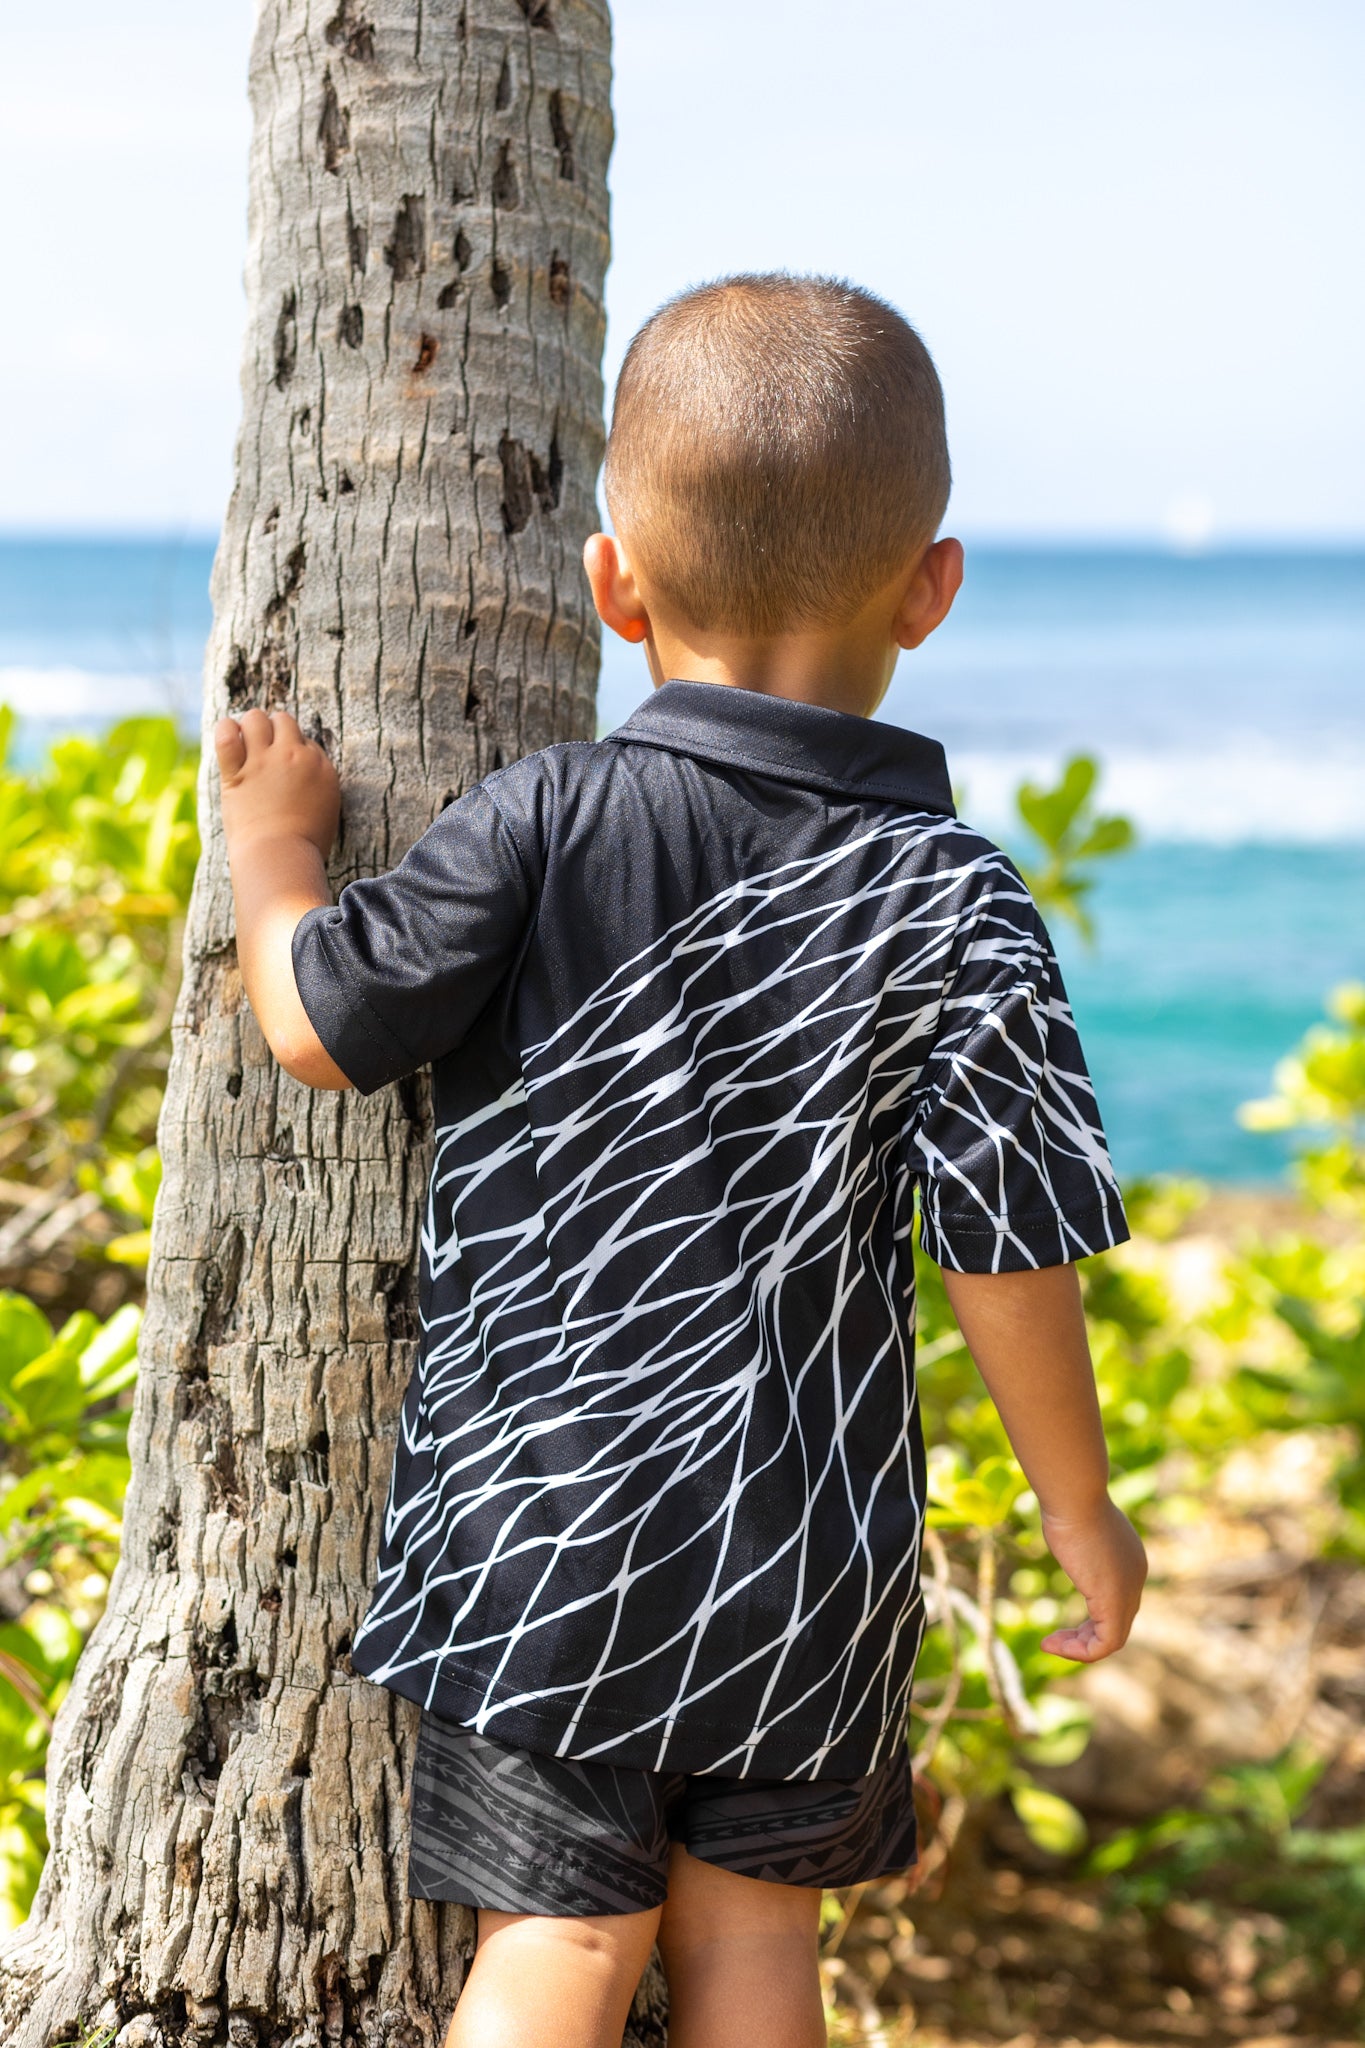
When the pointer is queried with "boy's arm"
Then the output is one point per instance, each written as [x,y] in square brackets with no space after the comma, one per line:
[1026,1332]
[281,804]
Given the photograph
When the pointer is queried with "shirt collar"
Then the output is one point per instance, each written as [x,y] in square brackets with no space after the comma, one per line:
[803,743]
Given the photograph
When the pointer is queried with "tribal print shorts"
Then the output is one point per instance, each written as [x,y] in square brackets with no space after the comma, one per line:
[499,1827]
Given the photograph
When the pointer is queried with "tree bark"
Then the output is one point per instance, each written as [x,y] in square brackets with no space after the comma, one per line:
[399,564]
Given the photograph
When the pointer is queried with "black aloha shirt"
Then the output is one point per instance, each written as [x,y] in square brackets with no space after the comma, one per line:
[705,1001]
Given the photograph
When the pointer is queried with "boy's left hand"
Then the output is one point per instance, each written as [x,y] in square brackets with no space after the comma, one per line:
[277,783]
[1102,1554]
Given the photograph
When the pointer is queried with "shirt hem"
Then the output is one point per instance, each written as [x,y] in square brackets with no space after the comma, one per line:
[1043,1238]
[696,1748]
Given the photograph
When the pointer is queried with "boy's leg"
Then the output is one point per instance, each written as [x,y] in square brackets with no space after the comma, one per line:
[740,1956]
[543,1982]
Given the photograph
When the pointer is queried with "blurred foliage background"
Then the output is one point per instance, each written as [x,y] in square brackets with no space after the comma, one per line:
[1169,1846]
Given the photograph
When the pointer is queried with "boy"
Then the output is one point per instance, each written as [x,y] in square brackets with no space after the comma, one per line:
[705,1002]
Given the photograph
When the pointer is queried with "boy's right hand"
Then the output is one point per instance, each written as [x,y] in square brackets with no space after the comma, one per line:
[277,783]
[281,804]
[1102,1554]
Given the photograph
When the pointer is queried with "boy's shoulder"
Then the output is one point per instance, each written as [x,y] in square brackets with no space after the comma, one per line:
[538,797]
[558,762]
[526,790]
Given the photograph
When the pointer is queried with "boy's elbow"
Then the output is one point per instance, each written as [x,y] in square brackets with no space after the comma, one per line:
[304,1057]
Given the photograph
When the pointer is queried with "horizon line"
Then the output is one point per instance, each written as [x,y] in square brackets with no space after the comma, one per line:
[1021,540]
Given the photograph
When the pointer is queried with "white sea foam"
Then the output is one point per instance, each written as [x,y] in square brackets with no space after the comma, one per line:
[1248,791]
[88,696]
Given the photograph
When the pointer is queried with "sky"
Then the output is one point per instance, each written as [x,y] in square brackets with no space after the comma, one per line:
[1129,233]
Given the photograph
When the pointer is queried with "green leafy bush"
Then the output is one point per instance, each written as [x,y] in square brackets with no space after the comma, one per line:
[63,1475]
[37,1658]
[1320,1089]
[1008,1716]
[65,1438]
[97,852]
[1245,1841]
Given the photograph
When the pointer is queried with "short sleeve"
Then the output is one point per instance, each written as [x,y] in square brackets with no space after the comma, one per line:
[395,973]
[1005,1135]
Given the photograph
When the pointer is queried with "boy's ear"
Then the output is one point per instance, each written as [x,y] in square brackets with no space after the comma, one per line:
[614,592]
[930,592]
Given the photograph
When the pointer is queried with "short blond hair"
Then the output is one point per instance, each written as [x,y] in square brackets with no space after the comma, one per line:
[777,451]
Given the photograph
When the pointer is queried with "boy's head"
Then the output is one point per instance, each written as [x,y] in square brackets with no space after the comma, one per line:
[777,452]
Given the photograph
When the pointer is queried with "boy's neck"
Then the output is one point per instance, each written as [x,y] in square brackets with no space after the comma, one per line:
[842,668]
[846,666]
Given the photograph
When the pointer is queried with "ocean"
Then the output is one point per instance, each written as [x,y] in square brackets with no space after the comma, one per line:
[1223,694]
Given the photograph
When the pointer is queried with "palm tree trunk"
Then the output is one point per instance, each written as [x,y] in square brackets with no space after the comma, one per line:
[399,564]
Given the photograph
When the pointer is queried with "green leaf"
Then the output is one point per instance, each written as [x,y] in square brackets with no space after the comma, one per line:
[1131,1845]
[23,1851]
[96,1005]
[133,1248]
[47,1392]
[1064,1731]
[982,1498]
[48,1642]
[25,1334]
[1049,1820]
[1106,835]
[108,1362]
[83,1494]
[1049,813]
[1062,822]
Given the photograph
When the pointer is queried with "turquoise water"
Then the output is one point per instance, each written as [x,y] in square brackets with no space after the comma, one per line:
[1209,965]
[98,613]
[1224,694]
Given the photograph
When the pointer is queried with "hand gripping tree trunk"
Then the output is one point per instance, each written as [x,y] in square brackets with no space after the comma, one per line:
[399,564]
